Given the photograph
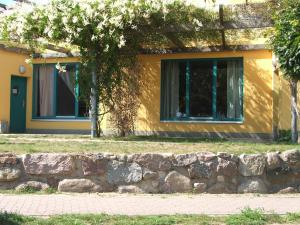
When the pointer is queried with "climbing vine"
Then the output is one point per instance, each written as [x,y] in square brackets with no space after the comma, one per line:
[108,34]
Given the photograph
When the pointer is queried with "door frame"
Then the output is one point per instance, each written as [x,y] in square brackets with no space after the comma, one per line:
[25,99]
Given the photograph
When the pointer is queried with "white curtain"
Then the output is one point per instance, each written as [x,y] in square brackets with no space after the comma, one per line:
[234,91]
[170,90]
[46,90]
[69,79]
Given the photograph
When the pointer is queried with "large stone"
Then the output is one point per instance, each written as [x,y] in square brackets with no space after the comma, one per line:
[34,185]
[288,190]
[227,167]
[148,174]
[206,156]
[129,189]
[8,159]
[252,185]
[252,165]
[292,158]
[149,186]
[176,182]
[123,173]
[153,162]
[47,164]
[202,170]
[219,188]
[200,187]
[273,160]
[79,186]
[93,164]
[9,174]
[185,159]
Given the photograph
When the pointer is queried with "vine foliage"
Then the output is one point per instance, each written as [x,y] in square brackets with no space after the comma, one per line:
[108,35]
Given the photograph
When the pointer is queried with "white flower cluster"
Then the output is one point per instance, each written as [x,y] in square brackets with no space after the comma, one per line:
[84,21]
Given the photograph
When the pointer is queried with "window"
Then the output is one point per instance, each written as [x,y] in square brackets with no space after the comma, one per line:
[56,93]
[202,89]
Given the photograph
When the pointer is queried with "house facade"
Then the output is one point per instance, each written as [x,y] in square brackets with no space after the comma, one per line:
[198,91]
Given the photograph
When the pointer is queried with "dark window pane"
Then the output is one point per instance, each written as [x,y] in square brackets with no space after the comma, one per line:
[201,88]
[222,90]
[65,100]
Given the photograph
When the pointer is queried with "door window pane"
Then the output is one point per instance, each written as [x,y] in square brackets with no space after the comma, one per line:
[65,97]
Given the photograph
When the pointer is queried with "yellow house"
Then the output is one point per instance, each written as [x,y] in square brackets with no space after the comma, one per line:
[226,92]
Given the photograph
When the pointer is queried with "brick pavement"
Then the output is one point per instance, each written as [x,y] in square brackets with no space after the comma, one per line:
[47,205]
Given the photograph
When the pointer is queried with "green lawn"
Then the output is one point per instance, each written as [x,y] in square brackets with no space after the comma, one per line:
[246,217]
[27,143]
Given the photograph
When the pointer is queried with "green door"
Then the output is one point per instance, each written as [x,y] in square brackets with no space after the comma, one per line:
[18,104]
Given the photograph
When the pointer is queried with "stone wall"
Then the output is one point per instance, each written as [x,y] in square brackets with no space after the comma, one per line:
[202,172]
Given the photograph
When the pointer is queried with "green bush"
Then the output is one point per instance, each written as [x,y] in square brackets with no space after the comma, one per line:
[285,136]
[248,217]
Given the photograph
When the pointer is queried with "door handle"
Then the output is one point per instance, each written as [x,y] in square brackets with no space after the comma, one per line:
[23,103]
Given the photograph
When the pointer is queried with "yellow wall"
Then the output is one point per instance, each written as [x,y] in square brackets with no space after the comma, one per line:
[53,124]
[9,65]
[284,104]
[258,96]
[258,102]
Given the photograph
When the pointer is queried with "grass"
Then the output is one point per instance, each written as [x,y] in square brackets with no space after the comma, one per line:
[27,143]
[246,217]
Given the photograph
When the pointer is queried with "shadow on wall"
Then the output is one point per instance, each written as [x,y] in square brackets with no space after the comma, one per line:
[257,100]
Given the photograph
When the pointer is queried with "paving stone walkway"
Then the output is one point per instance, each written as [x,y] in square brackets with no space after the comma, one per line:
[46,205]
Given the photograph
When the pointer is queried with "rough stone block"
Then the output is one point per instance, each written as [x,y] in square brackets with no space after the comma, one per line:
[292,158]
[153,162]
[176,182]
[79,186]
[129,189]
[288,190]
[123,173]
[227,167]
[220,188]
[206,156]
[252,165]
[273,160]
[202,170]
[148,174]
[185,159]
[149,186]
[93,164]
[9,174]
[8,159]
[200,187]
[253,185]
[35,185]
[48,164]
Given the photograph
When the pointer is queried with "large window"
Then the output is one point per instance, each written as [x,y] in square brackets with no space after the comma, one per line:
[204,89]
[56,93]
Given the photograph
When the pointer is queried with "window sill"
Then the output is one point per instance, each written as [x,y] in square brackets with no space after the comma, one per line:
[202,121]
